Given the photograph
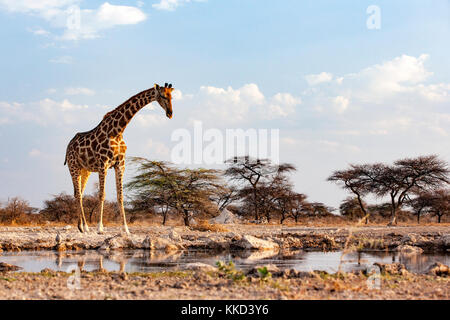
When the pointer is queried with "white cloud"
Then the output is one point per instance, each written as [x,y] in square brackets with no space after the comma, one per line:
[35,6]
[110,15]
[247,103]
[62,60]
[158,148]
[282,105]
[43,112]
[340,104]
[171,5]
[79,91]
[314,79]
[34,153]
[39,31]
[397,76]
[150,120]
[78,23]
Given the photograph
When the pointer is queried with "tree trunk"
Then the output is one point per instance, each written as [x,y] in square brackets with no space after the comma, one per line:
[186,218]
[393,212]
[361,205]
[164,218]
[255,203]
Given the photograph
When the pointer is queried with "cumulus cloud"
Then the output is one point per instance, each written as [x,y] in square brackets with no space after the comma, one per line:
[62,60]
[171,5]
[43,112]
[315,79]
[247,103]
[394,97]
[72,91]
[78,23]
[340,104]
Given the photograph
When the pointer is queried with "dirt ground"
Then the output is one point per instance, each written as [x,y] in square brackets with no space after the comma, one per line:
[393,283]
[211,285]
[429,238]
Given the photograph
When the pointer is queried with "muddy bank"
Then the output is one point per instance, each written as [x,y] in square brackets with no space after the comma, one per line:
[240,237]
[394,282]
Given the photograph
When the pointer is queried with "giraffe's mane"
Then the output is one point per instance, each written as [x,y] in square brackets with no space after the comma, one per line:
[138,94]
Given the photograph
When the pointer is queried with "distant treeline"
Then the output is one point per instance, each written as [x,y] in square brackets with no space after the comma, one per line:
[259,191]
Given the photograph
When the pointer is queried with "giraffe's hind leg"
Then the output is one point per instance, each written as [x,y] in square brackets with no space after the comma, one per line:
[84,178]
[76,179]
[101,198]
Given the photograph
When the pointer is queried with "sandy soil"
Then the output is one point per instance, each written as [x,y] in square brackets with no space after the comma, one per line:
[215,285]
[393,283]
[429,238]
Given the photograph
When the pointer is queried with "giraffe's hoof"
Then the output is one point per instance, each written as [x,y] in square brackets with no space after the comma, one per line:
[80,227]
[86,228]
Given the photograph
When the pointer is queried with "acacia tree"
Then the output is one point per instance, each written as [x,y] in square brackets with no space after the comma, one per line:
[320,209]
[406,177]
[421,204]
[300,206]
[15,209]
[440,203]
[354,180]
[351,207]
[253,176]
[63,208]
[184,191]
[398,181]
[224,196]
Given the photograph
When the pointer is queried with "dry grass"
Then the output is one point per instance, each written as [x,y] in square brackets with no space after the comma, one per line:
[204,225]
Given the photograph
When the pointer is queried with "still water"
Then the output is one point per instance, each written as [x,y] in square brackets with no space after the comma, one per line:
[145,261]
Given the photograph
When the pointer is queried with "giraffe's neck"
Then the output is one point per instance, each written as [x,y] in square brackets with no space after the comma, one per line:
[115,122]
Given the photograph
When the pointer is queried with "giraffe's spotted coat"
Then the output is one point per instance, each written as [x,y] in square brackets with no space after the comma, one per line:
[103,148]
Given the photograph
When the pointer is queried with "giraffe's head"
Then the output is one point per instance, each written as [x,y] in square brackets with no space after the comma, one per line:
[164,98]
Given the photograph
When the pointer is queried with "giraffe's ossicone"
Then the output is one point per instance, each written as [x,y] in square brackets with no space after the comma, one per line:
[103,148]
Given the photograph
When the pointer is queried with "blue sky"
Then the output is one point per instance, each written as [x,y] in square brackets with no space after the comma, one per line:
[339,92]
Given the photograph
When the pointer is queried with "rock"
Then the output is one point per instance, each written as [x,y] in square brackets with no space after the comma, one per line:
[58,238]
[48,271]
[273,269]
[198,266]
[438,269]
[119,241]
[160,244]
[445,242]
[393,268]
[252,243]
[408,250]
[66,228]
[173,235]
[4,267]
[61,247]
[225,217]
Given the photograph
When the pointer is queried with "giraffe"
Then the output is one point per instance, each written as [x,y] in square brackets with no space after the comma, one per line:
[103,148]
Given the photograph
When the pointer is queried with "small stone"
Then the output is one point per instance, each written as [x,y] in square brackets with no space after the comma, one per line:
[409,250]
[438,269]
[252,243]
[173,235]
[8,267]
[198,266]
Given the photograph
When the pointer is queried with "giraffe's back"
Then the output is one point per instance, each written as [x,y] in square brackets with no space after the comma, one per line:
[94,151]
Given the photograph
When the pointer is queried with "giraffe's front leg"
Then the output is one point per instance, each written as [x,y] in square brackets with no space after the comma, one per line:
[119,176]
[101,195]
